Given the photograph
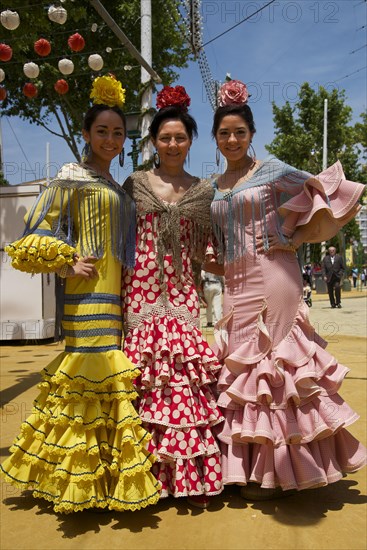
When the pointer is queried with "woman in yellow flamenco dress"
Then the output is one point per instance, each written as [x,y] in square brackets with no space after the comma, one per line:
[83,445]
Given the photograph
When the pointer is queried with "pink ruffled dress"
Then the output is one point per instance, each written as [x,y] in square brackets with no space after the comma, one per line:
[284,420]
[161,317]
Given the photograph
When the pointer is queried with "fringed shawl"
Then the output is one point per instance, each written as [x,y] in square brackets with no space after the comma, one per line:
[278,199]
[67,207]
[193,206]
[251,209]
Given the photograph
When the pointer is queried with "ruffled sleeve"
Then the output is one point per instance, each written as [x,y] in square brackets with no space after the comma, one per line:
[40,253]
[323,206]
[43,247]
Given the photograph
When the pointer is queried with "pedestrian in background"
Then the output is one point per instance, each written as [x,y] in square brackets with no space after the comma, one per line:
[355,276]
[333,271]
[212,288]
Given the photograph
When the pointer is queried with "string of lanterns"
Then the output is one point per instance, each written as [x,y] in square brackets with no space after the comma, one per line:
[42,47]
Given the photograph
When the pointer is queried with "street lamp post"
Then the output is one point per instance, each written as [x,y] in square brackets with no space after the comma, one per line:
[133,123]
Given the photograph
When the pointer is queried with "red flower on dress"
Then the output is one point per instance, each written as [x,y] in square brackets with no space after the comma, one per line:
[42,47]
[169,96]
[76,42]
[233,92]
[6,52]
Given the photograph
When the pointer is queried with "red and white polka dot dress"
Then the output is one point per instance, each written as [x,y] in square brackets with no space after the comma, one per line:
[177,365]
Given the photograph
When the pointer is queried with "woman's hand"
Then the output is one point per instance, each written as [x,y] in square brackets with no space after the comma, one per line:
[275,243]
[83,267]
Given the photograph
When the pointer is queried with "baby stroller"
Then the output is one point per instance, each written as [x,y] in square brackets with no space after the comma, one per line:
[307,290]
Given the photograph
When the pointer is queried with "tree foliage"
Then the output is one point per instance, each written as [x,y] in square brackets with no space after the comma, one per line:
[169,52]
[299,140]
[3,182]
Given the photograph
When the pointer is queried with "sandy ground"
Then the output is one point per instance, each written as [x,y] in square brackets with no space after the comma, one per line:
[332,517]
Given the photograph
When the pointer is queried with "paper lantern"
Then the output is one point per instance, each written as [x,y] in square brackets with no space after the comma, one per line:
[30,90]
[76,42]
[5,52]
[66,66]
[31,70]
[10,20]
[95,62]
[57,15]
[42,47]
[2,93]
[61,86]
[2,75]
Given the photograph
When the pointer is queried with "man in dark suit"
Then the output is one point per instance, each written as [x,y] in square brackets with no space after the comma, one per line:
[333,270]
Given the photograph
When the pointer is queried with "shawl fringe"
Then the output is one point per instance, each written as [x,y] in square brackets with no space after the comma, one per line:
[194,206]
[74,195]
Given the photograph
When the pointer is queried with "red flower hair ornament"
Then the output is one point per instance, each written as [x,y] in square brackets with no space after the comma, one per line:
[176,96]
[233,92]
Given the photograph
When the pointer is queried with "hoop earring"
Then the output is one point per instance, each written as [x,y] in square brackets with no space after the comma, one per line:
[252,152]
[217,157]
[156,160]
[122,157]
[85,152]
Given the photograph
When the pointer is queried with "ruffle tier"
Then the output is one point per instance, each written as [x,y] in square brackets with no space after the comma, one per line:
[40,253]
[83,445]
[177,405]
[284,420]
[171,352]
[328,201]
[295,466]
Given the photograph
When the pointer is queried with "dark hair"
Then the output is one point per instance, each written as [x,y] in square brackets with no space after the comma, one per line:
[95,110]
[176,113]
[243,111]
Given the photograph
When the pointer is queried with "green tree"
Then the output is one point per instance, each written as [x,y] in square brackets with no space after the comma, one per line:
[3,182]
[170,51]
[299,141]
[299,131]
[360,138]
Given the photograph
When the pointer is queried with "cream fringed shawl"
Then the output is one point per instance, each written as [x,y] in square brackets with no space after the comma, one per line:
[193,206]
[71,204]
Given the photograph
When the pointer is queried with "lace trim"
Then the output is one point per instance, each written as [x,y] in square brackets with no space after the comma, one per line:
[161,308]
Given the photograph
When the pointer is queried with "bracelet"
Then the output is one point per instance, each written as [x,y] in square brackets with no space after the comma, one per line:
[291,244]
[64,271]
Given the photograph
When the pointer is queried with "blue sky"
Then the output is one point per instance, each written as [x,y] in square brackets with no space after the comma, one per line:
[286,44]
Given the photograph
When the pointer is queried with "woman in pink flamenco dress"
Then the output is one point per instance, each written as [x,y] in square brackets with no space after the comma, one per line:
[284,420]
[161,310]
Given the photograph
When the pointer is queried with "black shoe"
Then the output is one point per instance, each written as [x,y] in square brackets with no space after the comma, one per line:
[209,325]
[334,306]
[339,306]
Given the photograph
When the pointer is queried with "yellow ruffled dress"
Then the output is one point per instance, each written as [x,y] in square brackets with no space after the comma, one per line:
[83,445]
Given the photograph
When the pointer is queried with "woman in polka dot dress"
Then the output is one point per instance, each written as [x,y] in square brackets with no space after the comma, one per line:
[161,311]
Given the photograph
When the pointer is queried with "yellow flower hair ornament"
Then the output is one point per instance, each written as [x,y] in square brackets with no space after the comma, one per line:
[107,90]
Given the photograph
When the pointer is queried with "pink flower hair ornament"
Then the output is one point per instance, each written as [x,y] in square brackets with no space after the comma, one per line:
[233,92]
[170,96]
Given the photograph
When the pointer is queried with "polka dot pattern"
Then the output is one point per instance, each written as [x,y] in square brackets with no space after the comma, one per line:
[177,368]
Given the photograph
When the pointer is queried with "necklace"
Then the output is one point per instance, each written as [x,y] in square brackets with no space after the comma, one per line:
[242,176]
[106,175]
[244,169]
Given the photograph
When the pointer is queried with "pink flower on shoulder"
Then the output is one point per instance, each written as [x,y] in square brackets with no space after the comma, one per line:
[233,92]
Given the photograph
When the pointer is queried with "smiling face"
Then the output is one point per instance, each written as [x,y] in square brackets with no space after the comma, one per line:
[233,137]
[106,137]
[172,143]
